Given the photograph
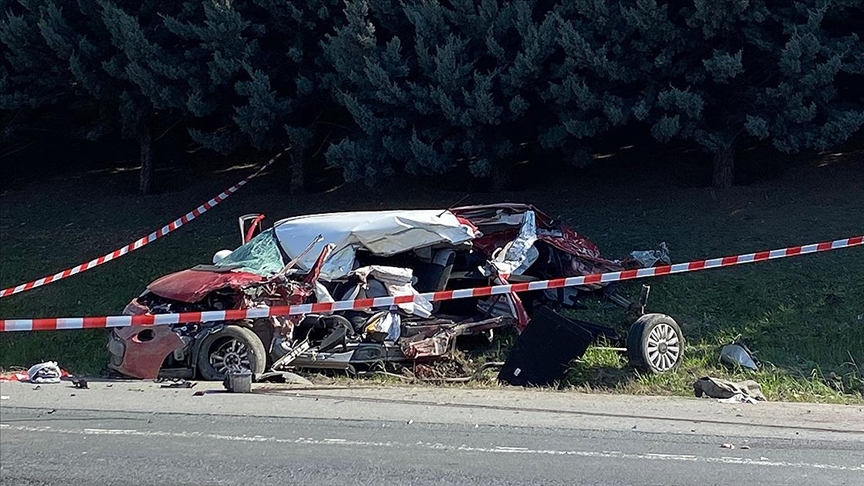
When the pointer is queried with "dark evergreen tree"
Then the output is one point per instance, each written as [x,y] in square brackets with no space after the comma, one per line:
[786,73]
[115,59]
[37,94]
[29,75]
[600,78]
[433,86]
[255,75]
[233,75]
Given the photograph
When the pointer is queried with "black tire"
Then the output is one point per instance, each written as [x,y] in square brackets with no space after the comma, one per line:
[234,345]
[655,344]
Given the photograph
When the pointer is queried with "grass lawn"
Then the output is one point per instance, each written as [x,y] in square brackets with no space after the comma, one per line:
[803,316]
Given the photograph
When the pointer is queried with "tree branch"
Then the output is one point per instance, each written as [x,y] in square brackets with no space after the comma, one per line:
[170,128]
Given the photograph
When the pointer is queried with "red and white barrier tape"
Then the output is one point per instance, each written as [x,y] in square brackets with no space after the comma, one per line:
[51,324]
[168,228]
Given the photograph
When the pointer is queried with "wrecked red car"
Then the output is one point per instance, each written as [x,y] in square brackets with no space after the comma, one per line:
[352,255]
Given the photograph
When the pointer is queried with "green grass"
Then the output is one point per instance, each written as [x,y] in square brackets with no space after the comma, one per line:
[803,317]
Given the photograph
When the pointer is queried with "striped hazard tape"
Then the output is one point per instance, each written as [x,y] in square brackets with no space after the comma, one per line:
[144,241]
[50,324]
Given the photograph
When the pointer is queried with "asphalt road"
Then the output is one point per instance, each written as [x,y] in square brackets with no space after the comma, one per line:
[150,436]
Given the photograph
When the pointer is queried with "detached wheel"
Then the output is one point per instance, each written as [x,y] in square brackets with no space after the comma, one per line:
[231,347]
[655,343]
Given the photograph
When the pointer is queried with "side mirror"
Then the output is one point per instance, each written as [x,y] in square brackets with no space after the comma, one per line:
[250,226]
[221,255]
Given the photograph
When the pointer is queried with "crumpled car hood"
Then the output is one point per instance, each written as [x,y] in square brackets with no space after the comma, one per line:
[193,285]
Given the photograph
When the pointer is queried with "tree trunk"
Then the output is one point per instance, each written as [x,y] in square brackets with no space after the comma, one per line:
[145,176]
[724,167]
[298,175]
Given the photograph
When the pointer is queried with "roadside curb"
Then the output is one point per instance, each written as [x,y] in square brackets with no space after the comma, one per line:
[459,406]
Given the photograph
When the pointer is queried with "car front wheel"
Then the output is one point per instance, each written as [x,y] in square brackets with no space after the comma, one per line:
[232,347]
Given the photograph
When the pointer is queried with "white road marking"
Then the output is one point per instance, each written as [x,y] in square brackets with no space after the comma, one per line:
[739,461]
[678,457]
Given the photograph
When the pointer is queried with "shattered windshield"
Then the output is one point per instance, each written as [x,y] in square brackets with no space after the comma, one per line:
[260,255]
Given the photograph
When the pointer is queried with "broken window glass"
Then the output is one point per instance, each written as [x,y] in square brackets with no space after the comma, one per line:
[260,255]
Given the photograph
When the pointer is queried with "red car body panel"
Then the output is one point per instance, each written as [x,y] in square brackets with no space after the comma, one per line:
[568,241]
[588,259]
[143,349]
[193,285]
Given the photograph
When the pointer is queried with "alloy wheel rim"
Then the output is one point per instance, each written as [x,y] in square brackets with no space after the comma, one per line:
[663,347]
[230,354]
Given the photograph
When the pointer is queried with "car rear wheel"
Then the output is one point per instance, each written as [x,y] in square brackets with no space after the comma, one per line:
[655,343]
[230,348]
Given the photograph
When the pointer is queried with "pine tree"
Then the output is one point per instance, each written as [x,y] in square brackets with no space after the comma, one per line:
[115,58]
[737,69]
[433,87]
[28,75]
[255,75]
[600,78]
[37,94]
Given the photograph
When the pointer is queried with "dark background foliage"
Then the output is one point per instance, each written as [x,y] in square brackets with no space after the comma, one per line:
[459,88]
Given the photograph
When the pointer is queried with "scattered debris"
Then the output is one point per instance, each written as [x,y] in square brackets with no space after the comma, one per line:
[47,372]
[14,376]
[238,381]
[178,383]
[431,374]
[747,391]
[737,354]
[649,258]
[80,383]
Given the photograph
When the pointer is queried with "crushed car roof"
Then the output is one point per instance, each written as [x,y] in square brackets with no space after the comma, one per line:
[383,233]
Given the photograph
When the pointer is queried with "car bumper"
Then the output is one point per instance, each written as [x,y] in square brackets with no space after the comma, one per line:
[139,351]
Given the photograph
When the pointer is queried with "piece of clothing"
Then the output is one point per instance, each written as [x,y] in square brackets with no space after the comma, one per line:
[47,372]
[747,391]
